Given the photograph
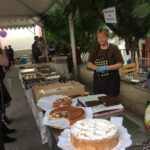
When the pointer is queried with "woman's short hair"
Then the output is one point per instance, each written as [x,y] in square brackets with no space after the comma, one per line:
[103,30]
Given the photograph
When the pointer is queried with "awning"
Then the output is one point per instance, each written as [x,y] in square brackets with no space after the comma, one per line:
[23,13]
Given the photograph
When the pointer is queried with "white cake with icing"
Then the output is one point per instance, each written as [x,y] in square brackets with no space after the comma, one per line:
[94,134]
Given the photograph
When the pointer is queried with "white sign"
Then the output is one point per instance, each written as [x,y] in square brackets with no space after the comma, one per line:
[110,15]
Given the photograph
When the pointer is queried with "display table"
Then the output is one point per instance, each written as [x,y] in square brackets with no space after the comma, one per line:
[61,68]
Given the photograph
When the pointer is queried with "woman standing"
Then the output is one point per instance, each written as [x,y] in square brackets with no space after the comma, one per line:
[106,60]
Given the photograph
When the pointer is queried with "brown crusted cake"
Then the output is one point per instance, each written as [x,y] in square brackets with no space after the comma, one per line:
[108,100]
[67,101]
[71,113]
[94,134]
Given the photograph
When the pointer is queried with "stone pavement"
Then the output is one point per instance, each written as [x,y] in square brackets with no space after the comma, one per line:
[27,135]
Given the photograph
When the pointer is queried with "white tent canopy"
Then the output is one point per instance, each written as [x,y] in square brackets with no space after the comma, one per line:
[25,13]
[22,13]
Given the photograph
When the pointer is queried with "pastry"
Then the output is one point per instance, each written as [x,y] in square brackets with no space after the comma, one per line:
[67,101]
[94,134]
[73,114]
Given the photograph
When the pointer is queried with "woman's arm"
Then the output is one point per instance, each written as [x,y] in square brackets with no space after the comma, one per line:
[3,59]
[91,66]
[115,66]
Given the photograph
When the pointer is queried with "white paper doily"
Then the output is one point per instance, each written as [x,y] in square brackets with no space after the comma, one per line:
[124,137]
[64,123]
[46,103]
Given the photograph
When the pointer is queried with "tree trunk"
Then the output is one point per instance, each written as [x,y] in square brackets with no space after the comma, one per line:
[127,45]
[132,56]
[134,48]
[132,45]
[82,35]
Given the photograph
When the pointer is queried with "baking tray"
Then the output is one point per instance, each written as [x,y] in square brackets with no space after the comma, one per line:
[29,70]
[33,76]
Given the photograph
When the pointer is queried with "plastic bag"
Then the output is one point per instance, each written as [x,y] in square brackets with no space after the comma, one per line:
[147,116]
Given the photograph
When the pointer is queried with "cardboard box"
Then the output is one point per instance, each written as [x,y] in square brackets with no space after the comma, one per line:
[70,88]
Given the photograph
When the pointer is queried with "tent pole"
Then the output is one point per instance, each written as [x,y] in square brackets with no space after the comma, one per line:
[73,46]
[34,30]
[44,36]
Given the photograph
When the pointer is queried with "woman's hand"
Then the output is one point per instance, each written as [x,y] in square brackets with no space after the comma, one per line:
[101,69]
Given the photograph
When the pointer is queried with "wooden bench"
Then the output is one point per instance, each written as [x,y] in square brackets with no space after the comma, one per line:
[129,68]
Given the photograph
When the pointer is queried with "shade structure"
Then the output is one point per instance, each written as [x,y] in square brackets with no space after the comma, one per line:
[23,13]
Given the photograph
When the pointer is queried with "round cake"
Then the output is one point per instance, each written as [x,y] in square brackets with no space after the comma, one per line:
[71,113]
[94,134]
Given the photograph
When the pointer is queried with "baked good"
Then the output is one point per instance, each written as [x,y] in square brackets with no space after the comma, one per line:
[94,134]
[67,101]
[73,114]
[108,100]
[59,115]
[93,103]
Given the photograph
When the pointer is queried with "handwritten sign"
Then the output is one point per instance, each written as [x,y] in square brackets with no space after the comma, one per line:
[110,15]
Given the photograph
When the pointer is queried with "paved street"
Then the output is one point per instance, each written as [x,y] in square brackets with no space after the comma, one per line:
[28,135]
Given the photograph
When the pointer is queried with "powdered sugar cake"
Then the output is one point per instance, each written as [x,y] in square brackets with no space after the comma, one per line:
[73,114]
[94,134]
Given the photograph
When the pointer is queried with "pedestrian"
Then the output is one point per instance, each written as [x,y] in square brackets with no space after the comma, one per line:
[6,102]
[3,62]
[11,54]
[106,60]
[7,54]
[35,50]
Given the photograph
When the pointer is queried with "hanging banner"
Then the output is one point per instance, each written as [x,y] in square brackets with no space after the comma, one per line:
[110,15]
[3,34]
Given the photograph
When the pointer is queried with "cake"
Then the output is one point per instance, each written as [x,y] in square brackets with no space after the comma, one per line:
[59,115]
[71,113]
[93,103]
[94,134]
[67,101]
[109,101]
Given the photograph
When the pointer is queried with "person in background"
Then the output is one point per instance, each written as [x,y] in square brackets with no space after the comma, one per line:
[11,54]
[41,44]
[35,50]
[6,102]
[24,60]
[129,61]
[43,50]
[70,59]
[6,51]
[3,62]
[7,54]
[106,60]
[147,83]
[63,50]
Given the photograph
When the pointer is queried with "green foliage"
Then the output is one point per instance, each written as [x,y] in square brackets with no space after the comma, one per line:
[132,21]
[142,10]
[57,27]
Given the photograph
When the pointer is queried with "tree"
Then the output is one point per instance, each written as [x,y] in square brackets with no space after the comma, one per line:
[57,27]
[132,16]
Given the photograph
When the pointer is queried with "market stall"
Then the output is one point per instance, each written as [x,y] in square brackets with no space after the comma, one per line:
[44,94]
